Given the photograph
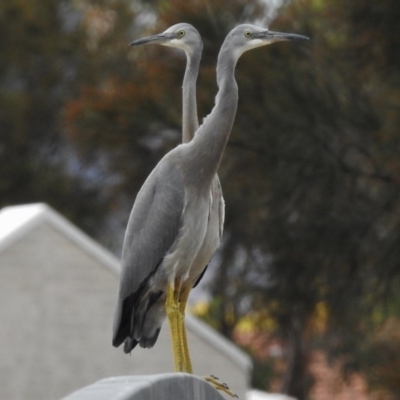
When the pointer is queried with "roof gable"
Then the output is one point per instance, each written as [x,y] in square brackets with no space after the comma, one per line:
[17,221]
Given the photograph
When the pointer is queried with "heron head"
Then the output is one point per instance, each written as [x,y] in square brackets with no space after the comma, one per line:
[182,36]
[246,37]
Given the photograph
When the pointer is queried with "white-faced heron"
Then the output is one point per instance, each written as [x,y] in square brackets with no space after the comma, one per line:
[166,247]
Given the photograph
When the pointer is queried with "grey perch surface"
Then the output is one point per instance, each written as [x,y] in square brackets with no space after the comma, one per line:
[171,386]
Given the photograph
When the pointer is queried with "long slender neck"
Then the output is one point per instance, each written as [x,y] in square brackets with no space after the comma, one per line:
[190,122]
[207,147]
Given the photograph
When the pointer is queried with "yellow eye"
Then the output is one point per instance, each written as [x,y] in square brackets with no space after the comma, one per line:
[248,34]
[181,34]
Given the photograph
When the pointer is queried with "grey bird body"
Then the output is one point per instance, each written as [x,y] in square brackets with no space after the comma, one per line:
[176,221]
[193,50]
[209,230]
[168,239]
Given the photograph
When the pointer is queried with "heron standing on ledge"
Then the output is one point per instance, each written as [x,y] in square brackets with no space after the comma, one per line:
[166,244]
[185,37]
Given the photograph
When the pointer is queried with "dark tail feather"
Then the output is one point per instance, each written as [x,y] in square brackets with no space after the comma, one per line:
[123,319]
[147,342]
[129,345]
[129,323]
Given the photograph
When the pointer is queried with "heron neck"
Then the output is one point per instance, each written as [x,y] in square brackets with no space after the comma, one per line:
[208,145]
[189,107]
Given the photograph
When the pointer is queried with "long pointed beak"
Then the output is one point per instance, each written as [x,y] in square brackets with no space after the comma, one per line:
[277,36]
[161,38]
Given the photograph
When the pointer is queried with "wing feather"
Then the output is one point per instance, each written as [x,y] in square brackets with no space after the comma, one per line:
[153,226]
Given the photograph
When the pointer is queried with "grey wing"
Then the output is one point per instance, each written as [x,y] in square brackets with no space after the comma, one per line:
[153,226]
[221,208]
[218,216]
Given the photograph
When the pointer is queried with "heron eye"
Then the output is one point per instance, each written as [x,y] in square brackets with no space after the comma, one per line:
[248,34]
[181,34]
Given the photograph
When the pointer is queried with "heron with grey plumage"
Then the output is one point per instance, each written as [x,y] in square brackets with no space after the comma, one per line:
[185,37]
[167,246]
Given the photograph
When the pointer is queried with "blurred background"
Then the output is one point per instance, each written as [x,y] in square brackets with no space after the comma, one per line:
[307,278]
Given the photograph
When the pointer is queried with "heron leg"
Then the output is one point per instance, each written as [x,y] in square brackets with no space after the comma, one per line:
[223,387]
[185,347]
[175,307]
[213,380]
[178,332]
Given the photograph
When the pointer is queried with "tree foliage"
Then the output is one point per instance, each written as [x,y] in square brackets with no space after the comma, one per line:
[321,186]
[311,173]
[47,53]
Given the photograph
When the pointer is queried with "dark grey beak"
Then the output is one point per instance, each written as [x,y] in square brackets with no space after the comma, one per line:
[277,36]
[157,39]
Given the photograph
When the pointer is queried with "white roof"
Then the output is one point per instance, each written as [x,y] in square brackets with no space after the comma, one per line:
[259,395]
[16,221]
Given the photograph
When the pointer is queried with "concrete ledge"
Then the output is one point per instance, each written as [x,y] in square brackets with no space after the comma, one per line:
[148,387]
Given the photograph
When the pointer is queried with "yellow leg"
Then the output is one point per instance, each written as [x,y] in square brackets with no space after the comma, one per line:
[185,347]
[172,309]
[176,320]
[175,306]
[223,387]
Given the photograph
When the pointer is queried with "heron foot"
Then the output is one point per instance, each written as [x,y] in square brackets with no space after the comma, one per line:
[223,387]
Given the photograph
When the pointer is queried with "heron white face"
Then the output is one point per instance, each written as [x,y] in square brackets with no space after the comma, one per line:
[178,40]
[181,36]
[247,37]
[249,45]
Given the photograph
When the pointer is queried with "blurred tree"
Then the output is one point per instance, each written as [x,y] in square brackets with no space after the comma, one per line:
[311,174]
[380,358]
[316,188]
[48,50]
[130,120]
